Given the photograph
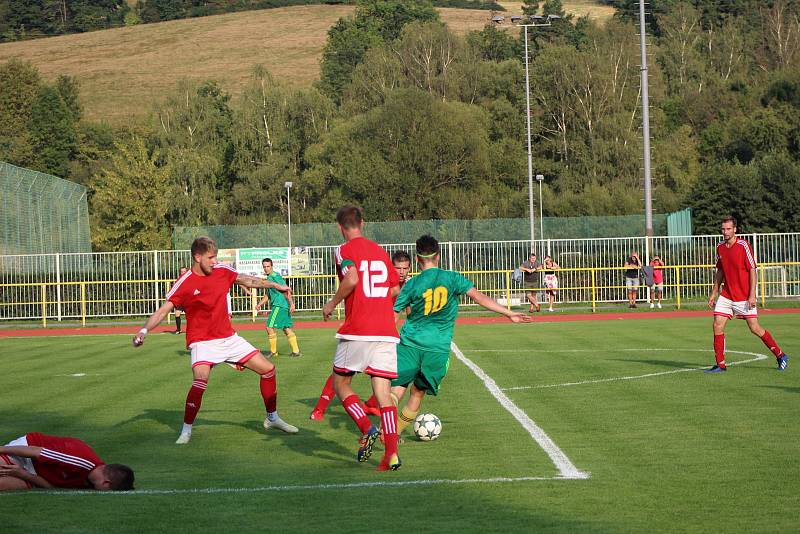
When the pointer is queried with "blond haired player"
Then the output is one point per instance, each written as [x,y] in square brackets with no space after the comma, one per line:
[202,293]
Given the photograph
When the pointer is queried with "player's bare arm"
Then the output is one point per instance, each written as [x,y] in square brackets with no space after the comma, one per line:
[245,280]
[25,451]
[752,299]
[394,291]
[262,302]
[718,279]
[347,285]
[152,322]
[19,472]
[492,305]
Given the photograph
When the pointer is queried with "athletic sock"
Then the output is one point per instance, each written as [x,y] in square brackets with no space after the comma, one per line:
[178,323]
[326,396]
[292,338]
[269,391]
[389,429]
[771,345]
[273,342]
[719,349]
[193,400]
[187,429]
[405,418]
[352,405]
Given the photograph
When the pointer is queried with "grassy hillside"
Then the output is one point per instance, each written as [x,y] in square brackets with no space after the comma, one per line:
[124,70]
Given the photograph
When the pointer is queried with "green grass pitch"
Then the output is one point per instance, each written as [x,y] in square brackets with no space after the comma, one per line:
[676,450]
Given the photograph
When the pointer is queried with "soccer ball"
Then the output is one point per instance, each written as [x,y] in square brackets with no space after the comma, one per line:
[427,427]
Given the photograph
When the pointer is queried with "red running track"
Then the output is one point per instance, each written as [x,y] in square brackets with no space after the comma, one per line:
[543,317]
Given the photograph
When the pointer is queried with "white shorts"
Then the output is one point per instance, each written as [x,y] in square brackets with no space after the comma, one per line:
[234,351]
[657,287]
[22,461]
[375,358]
[631,283]
[730,309]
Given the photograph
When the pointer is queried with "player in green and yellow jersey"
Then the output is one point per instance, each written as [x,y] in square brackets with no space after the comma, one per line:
[280,315]
[423,354]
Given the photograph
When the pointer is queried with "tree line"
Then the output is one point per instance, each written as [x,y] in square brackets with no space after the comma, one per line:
[412,121]
[30,19]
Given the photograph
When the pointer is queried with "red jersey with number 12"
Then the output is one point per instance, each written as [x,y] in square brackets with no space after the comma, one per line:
[736,262]
[205,301]
[368,308]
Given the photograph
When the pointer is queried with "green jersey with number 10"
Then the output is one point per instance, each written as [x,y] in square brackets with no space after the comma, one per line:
[433,297]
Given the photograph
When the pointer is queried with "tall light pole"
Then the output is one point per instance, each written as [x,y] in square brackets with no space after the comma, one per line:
[540,179]
[648,196]
[288,186]
[536,22]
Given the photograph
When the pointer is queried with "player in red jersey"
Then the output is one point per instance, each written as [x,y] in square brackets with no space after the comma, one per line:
[736,276]
[202,293]
[402,264]
[368,338]
[39,461]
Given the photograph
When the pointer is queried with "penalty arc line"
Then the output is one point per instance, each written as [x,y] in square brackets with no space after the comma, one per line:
[757,357]
[566,468]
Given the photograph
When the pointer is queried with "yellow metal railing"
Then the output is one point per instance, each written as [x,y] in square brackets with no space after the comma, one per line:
[499,283]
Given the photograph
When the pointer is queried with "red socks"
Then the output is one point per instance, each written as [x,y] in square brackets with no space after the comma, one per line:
[353,407]
[719,349]
[269,391]
[389,429]
[771,345]
[193,400]
[326,396]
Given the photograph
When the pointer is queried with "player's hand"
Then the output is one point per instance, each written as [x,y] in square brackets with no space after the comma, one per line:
[520,318]
[751,302]
[138,339]
[291,309]
[327,310]
[711,300]
[12,471]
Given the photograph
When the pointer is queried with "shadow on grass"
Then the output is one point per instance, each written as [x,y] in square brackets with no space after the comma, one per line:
[661,363]
[787,389]
[173,419]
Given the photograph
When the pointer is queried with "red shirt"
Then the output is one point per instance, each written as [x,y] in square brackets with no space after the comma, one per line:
[658,273]
[368,308]
[204,300]
[736,262]
[63,462]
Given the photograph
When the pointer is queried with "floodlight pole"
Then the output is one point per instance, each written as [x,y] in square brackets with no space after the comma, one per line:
[528,124]
[540,179]
[648,195]
[288,186]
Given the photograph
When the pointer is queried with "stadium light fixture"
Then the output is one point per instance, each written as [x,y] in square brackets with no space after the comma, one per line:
[288,186]
[537,21]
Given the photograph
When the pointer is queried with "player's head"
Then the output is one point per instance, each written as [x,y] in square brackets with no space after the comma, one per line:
[115,477]
[427,250]
[402,263]
[548,260]
[204,254]
[657,259]
[728,227]
[349,219]
[532,257]
[266,264]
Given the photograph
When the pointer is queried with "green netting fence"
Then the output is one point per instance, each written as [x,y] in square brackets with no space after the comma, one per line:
[41,214]
[456,230]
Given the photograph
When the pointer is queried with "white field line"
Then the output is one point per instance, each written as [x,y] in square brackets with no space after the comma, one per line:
[756,358]
[566,468]
[299,487]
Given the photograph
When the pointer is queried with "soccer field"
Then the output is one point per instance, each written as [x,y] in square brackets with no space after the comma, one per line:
[601,426]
